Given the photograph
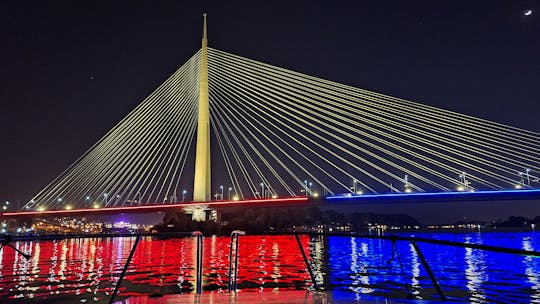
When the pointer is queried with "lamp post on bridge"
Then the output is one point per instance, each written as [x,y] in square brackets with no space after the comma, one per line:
[221,192]
[407,185]
[464,182]
[229,197]
[521,182]
[184,192]
[262,190]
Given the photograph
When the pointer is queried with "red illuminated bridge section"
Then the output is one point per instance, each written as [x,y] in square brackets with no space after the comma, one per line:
[289,201]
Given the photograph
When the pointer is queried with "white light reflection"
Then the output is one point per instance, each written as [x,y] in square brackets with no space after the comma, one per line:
[52,269]
[358,270]
[183,264]
[318,262]
[475,273]
[531,270]
[276,272]
[63,261]
[415,270]
[21,266]
[262,266]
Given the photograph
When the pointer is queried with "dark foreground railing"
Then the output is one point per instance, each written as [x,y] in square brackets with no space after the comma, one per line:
[414,242]
[5,241]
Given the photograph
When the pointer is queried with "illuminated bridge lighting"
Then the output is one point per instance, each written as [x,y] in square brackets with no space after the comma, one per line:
[507,194]
[155,208]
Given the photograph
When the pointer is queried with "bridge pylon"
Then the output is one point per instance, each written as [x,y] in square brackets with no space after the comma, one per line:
[201,181]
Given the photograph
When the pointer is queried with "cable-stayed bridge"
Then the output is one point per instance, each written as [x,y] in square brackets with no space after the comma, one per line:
[228,128]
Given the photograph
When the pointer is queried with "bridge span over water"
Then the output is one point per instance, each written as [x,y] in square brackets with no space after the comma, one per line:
[328,201]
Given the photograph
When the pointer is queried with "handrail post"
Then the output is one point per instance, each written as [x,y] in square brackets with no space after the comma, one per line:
[199,262]
[233,284]
[428,270]
[307,263]
[229,287]
[126,266]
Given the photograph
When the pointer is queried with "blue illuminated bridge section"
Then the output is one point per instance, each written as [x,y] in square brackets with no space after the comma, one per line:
[494,195]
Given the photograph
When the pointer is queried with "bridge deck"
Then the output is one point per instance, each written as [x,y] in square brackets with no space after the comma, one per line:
[501,195]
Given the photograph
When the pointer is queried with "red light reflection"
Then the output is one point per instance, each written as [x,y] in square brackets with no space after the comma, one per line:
[88,268]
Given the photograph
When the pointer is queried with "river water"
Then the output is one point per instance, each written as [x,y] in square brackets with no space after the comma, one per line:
[85,270]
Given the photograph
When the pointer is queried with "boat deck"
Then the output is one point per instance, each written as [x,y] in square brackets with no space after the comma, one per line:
[273,297]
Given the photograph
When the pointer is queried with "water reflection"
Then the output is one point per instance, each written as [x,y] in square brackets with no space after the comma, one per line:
[358,269]
[475,273]
[87,269]
[415,272]
[532,267]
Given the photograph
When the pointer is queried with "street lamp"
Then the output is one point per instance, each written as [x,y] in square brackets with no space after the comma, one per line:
[221,189]
[464,183]
[184,192]
[229,197]
[521,182]
[262,190]
[306,187]
[105,197]
[407,185]
[528,177]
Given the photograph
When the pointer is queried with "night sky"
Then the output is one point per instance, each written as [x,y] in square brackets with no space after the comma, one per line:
[70,70]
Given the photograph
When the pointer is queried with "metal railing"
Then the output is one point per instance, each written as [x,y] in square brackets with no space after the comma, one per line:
[232,284]
[5,240]
[413,241]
